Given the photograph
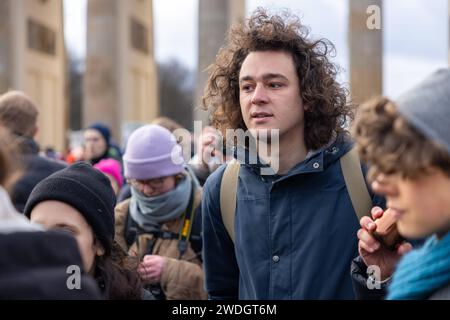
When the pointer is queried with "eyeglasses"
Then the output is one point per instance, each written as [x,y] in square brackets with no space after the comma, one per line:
[157,183]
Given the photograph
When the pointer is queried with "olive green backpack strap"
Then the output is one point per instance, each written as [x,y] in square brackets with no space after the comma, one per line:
[356,184]
[228,191]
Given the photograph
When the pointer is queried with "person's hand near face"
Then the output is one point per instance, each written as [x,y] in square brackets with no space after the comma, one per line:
[207,145]
[371,250]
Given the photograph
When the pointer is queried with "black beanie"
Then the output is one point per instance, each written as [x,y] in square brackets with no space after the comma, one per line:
[87,190]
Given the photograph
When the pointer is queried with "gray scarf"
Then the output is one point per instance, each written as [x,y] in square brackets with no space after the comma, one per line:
[151,212]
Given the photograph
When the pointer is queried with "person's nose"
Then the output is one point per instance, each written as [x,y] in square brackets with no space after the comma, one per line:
[260,95]
[385,185]
[147,189]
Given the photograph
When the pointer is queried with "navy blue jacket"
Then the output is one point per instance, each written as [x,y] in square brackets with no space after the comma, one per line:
[295,234]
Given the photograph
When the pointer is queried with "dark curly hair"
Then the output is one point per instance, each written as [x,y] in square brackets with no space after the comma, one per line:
[117,275]
[326,107]
[391,145]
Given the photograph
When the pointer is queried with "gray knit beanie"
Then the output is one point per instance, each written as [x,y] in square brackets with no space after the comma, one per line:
[427,107]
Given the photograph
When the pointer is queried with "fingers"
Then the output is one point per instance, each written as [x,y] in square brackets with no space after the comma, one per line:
[147,273]
[364,249]
[145,267]
[376,213]
[149,257]
[367,241]
[404,248]
[208,149]
[209,144]
[368,224]
[151,260]
[143,271]
[154,265]
[207,140]
[209,129]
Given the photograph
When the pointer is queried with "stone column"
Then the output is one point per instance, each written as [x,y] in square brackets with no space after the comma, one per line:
[5,45]
[366,49]
[120,86]
[32,60]
[100,85]
[215,19]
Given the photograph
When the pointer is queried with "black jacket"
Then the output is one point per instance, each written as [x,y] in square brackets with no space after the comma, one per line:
[36,168]
[34,265]
[360,282]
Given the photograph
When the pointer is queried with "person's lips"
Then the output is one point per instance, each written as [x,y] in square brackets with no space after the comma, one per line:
[261,116]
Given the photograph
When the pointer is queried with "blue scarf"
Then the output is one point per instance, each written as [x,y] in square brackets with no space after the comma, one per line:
[422,272]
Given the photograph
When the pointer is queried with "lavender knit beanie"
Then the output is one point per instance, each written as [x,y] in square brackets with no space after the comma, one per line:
[152,152]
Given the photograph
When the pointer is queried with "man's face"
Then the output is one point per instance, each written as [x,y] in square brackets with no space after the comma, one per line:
[269,93]
[95,144]
[422,205]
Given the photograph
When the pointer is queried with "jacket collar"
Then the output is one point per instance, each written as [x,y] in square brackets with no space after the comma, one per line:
[315,161]
[28,146]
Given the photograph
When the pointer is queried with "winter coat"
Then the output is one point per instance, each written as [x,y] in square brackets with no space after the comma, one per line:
[181,278]
[295,235]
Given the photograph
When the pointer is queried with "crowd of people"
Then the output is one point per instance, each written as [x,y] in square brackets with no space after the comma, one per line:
[144,222]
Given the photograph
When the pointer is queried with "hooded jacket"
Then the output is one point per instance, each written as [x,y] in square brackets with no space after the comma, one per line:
[295,235]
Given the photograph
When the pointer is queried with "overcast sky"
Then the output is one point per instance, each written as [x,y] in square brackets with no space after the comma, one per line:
[415,33]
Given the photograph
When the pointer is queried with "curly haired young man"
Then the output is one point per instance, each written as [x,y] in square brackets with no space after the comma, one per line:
[294,229]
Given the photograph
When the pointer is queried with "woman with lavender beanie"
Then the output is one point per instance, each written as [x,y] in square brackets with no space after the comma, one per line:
[161,222]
